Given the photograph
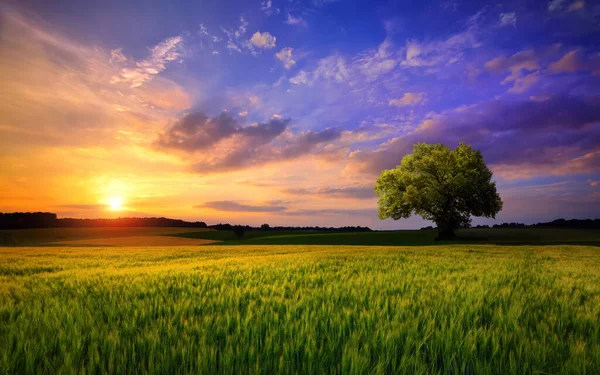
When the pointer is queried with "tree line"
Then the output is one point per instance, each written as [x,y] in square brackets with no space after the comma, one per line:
[558,223]
[25,220]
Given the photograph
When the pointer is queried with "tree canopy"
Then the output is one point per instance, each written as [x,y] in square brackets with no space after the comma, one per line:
[439,184]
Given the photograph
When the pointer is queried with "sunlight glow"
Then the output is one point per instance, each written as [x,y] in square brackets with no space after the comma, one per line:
[115,203]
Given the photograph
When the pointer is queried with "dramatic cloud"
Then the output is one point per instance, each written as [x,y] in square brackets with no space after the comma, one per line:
[264,40]
[196,132]
[285,56]
[409,98]
[556,136]
[166,51]
[221,144]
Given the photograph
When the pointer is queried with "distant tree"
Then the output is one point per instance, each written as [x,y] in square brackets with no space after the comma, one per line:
[265,227]
[239,231]
[439,184]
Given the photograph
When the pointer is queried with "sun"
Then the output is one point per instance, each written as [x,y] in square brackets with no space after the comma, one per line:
[115,203]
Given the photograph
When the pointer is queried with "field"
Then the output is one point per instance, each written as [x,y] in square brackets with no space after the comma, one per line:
[497,236]
[448,309]
[53,236]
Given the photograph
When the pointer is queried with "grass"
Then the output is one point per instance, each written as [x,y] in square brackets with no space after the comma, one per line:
[499,236]
[460,309]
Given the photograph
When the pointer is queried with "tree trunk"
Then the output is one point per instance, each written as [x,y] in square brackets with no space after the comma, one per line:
[445,232]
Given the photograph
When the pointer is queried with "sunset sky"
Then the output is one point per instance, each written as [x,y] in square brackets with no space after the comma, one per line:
[285,111]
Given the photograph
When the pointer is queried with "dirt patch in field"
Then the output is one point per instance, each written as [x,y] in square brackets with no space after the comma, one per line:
[137,241]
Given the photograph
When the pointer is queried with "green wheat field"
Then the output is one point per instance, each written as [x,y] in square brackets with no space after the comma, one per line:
[300,309]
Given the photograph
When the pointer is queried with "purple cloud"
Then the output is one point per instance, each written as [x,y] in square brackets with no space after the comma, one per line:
[561,130]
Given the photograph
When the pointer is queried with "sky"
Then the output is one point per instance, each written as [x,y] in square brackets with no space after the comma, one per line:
[286,111]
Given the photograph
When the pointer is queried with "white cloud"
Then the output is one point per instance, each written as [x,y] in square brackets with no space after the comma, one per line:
[203,30]
[300,78]
[263,40]
[442,52]
[285,56]
[242,28]
[508,19]
[333,68]
[243,114]
[232,46]
[377,62]
[409,98]
[295,21]
[166,51]
[266,7]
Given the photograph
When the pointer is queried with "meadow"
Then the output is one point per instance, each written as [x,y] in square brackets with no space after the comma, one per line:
[304,309]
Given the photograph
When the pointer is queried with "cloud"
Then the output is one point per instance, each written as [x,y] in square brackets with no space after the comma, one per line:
[445,51]
[508,19]
[164,52]
[409,98]
[84,206]
[266,6]
[552,137]
[221,144]
[197,132]
[235,39]
[295,21]
[377,62]
[332,68]
[577,5]
[243,114]
[277,208]
[254,100]
[523,67]
[232,206]
[360,192]
[560,6]
[333,211]
[575,61]
[116,56]
[300,79]
[285,56]
[555,5]
[264,40]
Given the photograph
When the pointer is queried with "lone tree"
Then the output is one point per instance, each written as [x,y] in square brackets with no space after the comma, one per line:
[439,184]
